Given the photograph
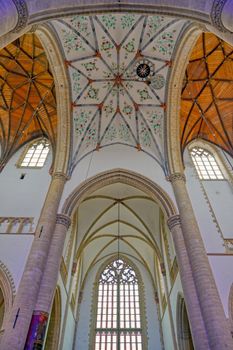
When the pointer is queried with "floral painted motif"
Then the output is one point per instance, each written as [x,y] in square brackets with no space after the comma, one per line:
[109,21]
[81,120]
[72,42]
[158,81]
[106,46]
[81,24]
[124,132]
[144,95]
[127,21]
[153,23]
[76,82]
[108,108]
[127,110]
[129,47]
[92,93]
[111,133]
[165,43]
[90,66]
[91,136]
[145,136]
[155,121]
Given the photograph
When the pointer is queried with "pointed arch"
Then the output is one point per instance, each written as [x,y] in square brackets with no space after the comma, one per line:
[119,277]
[8,290]
[53,334]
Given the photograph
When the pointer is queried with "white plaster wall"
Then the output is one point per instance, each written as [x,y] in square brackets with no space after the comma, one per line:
[210,234]
[84,319]
[14,250]
[23,197]
[113,157]
[223,273]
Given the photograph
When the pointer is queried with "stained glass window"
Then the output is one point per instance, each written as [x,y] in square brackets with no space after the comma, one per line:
[36,155]
[205,164]
[118,324]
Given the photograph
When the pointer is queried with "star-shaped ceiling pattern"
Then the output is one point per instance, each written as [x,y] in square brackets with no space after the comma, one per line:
[207,96]
[118,66]
[27,96]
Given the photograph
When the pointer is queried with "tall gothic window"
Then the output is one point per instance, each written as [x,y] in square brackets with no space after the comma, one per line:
[35,155]
[118,323]
[205,164]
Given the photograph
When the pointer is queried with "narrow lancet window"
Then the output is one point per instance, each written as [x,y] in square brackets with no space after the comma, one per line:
[118,324]
[205,164]
[36,155]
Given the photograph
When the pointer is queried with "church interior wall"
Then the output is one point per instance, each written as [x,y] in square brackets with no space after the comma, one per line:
[31,190]
[114,157]
[14,250]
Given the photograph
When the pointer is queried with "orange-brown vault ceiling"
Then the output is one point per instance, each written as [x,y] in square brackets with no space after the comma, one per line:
[27,96]
[207,95]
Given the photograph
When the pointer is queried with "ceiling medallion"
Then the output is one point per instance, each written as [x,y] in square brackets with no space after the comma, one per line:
[144,70]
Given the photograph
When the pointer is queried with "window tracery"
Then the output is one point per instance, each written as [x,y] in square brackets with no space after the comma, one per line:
[35,155]
[205,164]
[118,322]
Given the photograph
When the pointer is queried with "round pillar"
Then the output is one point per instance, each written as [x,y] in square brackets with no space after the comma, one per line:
[197,326]
[38,326]
[217,328]
[20,317]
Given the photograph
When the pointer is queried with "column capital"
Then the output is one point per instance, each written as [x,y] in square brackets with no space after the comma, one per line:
[173,221]
[22,11]
[176,177]
[216,15]
[63,220]
[59,175]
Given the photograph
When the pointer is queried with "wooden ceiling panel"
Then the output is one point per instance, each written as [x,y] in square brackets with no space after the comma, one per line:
[27,96]
[207,104]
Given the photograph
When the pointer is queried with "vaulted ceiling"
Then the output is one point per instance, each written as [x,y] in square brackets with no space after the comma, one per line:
[118,66]
[27,96]
[207,96]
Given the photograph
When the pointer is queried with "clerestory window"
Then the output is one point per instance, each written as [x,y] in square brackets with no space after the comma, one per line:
[205,164]
[35,155]
[118,323]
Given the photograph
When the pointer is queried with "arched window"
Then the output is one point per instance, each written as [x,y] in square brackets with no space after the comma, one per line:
[205,164]
[118,323]
[35,155]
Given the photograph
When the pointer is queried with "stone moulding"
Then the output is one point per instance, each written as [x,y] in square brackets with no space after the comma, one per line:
[216,13]
[22,11]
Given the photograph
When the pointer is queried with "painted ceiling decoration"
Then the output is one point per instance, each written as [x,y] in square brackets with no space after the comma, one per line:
[27,96]
[118,66]
[207,96]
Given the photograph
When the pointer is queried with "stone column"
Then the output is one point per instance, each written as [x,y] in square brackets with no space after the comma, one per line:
[197,325]
[163,270]
[48,285]
[214,318]
[20,317]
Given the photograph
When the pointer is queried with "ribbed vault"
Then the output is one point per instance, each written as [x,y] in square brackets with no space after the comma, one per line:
[207,96]
[27,96]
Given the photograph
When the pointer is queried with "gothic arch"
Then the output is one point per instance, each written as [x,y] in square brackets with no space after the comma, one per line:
[7,287]
[172,127]
[123,176]
[53,334]
[57,65]
[183,328]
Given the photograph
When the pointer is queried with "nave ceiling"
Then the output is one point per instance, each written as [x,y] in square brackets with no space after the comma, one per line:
[119,67]
[119,220]
[27,96]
